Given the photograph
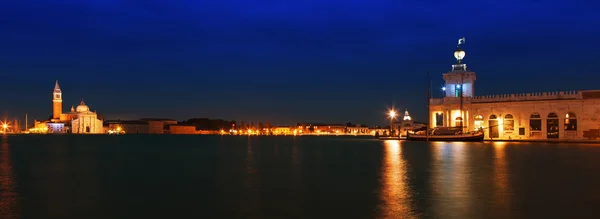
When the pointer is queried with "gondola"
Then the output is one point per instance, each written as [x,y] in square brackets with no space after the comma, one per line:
[468,137]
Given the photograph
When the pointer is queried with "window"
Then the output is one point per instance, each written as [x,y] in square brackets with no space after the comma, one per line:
[535,122]
[570,122]
[458,122]
[509,123]
[439,119]
[457,90]
[493,116]
[478,121]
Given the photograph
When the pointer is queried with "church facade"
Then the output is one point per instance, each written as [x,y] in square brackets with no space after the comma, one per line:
[573,115]
[80,120]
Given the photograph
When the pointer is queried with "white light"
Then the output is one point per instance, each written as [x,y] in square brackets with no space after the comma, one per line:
[458,86]
[444,88]
[459,54]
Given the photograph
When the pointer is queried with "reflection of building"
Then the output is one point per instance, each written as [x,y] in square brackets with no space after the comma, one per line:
[547,115]
[81,120]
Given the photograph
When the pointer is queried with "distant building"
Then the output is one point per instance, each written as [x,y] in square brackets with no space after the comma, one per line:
[86,121]
[407,124]
[358,129]
[158,125]
[81,120]
[283,130]
[182,129]
[541,115]
[128,126]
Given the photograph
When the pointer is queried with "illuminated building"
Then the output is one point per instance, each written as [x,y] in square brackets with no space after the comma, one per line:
[542,115]
[80,120]
[407,124]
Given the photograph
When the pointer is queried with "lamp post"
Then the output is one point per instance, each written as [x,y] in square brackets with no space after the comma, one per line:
[392,115]
[443,91]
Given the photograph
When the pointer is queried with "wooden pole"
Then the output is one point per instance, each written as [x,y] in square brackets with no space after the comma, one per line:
[428,103]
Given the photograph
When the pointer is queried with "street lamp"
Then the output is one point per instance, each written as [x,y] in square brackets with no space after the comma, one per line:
[443,92]
[392,115]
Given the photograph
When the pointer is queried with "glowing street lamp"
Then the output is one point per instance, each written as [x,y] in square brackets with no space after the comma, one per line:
[392,115]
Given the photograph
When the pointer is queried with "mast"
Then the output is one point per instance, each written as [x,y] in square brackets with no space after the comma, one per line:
[428,103]
[462,119]
[459,54]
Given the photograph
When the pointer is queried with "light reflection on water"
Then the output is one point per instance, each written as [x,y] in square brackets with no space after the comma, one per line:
[501,181]
[9,204]
[394,191]
[302,177]
[450,177]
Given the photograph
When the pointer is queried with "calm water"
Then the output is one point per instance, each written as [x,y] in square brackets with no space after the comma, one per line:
[285,177]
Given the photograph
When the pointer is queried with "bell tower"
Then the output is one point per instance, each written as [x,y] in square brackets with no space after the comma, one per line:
[460,81]
[56,102]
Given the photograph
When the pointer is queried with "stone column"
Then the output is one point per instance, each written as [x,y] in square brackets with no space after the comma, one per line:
[561,127]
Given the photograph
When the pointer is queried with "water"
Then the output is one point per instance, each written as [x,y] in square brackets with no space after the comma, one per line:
[285,177]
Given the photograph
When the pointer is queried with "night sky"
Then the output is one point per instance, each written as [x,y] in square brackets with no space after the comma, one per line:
[310,60]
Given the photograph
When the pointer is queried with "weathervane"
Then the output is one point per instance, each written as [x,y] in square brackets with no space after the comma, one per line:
[459,53]
[461,41]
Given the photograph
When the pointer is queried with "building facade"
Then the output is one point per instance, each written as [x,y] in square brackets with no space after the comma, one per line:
[87,122]
[81,120]
[546,115]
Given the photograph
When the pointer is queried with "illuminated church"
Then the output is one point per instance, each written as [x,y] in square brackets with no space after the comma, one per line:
[80,120]
[556,115]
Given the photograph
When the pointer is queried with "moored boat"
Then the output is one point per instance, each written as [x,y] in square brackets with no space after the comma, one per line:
[446,135]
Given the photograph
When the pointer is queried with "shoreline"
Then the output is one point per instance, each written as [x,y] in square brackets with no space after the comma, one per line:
[580,141]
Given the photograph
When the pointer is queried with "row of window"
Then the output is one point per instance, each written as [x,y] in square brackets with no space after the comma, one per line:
[535,122]
[533,116]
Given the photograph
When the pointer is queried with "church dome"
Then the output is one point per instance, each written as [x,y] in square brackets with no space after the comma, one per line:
[82,107]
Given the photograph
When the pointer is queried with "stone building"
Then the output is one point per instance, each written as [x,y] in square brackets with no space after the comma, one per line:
[543,115]
[87,122]
[81,120]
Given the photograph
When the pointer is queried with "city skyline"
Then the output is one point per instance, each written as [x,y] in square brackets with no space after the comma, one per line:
[307,61]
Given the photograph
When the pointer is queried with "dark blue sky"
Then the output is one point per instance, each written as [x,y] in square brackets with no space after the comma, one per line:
[278,61]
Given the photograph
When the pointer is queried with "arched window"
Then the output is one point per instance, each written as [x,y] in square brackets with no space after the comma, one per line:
[493,116]
[509,123]
[535,122]
[570,122]
[552,126]
[458,122]
[478,121]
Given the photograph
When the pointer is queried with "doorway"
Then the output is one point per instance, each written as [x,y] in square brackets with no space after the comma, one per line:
[493,126]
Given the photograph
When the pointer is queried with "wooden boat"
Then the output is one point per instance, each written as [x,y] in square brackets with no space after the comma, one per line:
[468,137]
